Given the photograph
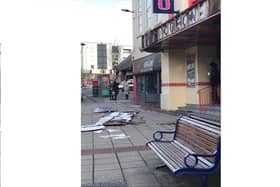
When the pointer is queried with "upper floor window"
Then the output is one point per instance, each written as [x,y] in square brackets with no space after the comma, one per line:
[139,16]
[148,12]
[101,56]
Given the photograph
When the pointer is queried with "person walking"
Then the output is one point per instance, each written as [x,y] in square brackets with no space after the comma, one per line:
[111,90]
[126,89]
[115,90]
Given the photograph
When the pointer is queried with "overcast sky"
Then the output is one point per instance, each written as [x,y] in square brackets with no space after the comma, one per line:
[80,20]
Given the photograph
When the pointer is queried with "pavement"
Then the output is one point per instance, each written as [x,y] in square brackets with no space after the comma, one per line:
[117,156]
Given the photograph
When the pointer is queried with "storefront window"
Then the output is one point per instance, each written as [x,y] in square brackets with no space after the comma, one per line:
[151,83]
[140,84]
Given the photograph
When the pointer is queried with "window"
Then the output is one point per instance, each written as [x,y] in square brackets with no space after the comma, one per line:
[139,12]
[140,84]
[151,83]
[101,56]
[148,12]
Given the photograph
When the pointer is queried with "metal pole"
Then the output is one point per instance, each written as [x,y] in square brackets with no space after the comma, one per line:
[82,62]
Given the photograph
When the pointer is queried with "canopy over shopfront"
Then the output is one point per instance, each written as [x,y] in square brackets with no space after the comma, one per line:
[125,65]
[198,24]
[150,63]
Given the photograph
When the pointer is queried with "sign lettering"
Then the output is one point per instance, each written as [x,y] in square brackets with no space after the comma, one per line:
[163,6]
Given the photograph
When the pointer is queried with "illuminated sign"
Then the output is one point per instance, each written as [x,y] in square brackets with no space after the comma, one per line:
[163,6]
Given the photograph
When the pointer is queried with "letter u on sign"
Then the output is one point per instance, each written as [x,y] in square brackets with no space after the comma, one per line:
[163,6]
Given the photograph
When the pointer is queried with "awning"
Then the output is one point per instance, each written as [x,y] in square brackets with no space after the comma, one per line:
[147,64]
[125,65]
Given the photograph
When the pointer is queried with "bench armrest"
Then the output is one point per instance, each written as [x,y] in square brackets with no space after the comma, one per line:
[161,134]
[196,159]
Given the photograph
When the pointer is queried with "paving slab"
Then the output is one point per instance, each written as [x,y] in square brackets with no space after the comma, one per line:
[133,164]
[105,161]
[102,167]
[113,176]
[104,156]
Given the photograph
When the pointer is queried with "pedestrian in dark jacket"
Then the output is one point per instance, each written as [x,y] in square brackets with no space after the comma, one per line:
[111,90]
[215,82]
[115,90]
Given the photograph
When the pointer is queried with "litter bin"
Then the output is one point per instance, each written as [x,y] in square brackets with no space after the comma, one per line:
[105,92]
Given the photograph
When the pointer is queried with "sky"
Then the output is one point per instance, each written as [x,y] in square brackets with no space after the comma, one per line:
[85,20]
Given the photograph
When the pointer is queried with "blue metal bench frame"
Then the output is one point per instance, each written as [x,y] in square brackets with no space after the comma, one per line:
[190,169]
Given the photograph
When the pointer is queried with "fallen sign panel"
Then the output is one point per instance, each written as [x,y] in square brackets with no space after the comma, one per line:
[122,118]
[103,109]
[115,123]
[116,136]
[92,127]
[99,125]
[113,119]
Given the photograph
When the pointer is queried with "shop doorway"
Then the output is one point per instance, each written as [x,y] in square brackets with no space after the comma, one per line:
[148,88]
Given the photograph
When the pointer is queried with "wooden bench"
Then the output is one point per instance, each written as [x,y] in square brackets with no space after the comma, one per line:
[194,147]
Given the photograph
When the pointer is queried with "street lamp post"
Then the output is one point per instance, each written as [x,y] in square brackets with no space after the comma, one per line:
[82,62]
[132,60]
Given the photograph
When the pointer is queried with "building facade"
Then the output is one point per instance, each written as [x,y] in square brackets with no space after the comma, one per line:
[189,46]
[146,66]
[101,58]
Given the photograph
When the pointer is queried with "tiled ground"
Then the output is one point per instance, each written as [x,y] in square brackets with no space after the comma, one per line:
[117,156]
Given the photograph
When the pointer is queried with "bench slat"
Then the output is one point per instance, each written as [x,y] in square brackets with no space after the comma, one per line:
[207,135]
[210,147]
[162,156]
[168,159]
[191,134]
[203,125]
[202,160]
[174,155]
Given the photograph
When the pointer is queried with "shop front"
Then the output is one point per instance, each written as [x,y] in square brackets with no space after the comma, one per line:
[147,71]
[190,56]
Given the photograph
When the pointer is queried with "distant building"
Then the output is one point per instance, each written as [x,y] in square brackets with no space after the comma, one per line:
[120,53]
[101,58]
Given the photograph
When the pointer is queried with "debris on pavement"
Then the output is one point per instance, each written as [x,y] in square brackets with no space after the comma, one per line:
[112,119]
[98,131]
[122,118]
[103,110]
[99,125]
[116,136]
[92,127]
